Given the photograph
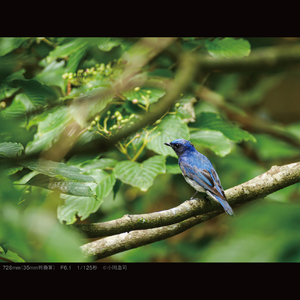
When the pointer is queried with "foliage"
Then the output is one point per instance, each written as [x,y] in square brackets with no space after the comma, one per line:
[62,91]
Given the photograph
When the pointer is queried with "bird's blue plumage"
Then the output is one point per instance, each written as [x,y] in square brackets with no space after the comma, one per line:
[199,172]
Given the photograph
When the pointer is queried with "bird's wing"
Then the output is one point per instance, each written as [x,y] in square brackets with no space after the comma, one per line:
[209,180]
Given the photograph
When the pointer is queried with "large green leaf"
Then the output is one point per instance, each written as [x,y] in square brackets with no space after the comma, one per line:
[81,206]
[64,186]
[11,149]
[35,93]
[212,121]
[172,166]
[75,49]
[84,206]
[142,174]
[9,44]
[170,128]
[215,140]
[10,256]
[72,45]
[104,181]
[105,185]
[52,168]
[106,44]
[228,48]
[50,126]
[52,74]
[16,112]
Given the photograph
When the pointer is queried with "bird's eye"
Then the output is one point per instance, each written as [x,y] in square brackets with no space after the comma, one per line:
[176,145]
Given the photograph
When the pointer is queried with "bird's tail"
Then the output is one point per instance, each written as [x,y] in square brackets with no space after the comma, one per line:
[223,202]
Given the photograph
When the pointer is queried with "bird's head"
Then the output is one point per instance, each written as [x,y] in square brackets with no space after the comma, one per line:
[180,146]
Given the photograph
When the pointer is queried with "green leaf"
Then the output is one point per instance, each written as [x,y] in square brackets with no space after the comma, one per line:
[15,111]
[105,185]
[64,186]
[81,206]
[9,44]
[104,181]
[36,92]
[116,187]
[106,44]
[11,256]
[50,126]
[52,168]
[72,45]
[212,121]
[52,74]
[11,149]
[102,163]
[140,175]
[170,128]
[74,59]
[172,166]
[228,48]
[215,140]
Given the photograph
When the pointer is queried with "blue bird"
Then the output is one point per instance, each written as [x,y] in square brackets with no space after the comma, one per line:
[198,172]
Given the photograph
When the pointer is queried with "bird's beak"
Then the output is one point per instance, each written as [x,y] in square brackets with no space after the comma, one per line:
[168,144]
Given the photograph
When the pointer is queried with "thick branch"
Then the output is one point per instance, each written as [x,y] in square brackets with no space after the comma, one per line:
[170,222]
[133,239]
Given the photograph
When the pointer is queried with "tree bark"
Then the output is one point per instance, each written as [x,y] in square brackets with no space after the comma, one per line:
[133,231]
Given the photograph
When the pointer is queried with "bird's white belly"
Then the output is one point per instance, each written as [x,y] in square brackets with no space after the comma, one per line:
[194,184]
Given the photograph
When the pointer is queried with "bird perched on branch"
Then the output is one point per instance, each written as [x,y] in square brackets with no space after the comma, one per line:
[198,171]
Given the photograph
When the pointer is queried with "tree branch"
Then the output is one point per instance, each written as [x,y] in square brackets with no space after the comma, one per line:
[190,66]
[252,122]
[137,230]
[263,59]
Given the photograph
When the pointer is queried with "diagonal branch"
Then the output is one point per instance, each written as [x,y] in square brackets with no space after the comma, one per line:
[263,59]
[137,230]
[252,122]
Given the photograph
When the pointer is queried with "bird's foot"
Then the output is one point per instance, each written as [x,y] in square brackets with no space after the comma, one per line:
[192,198]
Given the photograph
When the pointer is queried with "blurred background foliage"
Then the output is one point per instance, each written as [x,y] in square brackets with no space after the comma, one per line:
[39,80]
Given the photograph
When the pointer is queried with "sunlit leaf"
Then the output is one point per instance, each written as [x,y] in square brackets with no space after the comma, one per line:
[52,168]
[105,184]
[10,256]
[10,149]
[50,126]
[8,44]
[228,47]
[64,186]
[170,128]
[212,121]
[103,181]
[142,174]
[215,140]
[77,206]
